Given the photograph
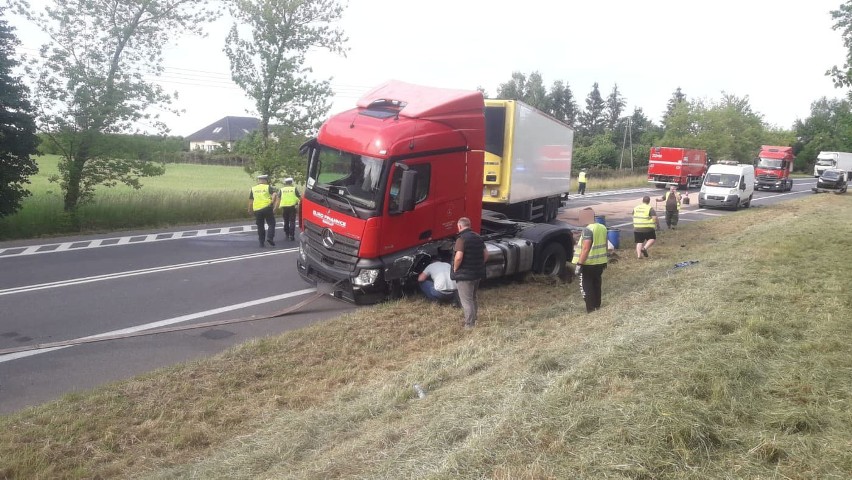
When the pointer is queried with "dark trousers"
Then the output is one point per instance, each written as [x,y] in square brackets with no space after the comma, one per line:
[289,215]
[265,221]
[582,188]
[591,285]
[671,218]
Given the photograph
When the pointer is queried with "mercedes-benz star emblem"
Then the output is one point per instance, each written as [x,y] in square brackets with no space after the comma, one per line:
[327,238]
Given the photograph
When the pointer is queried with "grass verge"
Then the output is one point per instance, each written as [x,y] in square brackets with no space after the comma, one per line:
[735,367]
[186,194]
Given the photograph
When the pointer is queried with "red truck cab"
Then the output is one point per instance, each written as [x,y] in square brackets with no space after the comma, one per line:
[773,168]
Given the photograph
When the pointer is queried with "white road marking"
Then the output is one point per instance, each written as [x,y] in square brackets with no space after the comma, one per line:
[163,323]
[127,240]
[144,271]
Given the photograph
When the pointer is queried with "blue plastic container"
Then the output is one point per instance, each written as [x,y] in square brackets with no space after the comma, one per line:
[600,219]
[614,236]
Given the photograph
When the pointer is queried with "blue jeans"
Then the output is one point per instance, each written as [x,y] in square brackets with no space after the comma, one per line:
[428,288]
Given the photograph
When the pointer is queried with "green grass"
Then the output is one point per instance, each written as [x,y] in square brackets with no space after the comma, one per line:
[186,194]
[735,367]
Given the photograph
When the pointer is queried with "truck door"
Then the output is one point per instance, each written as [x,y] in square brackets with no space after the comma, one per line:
[408,229]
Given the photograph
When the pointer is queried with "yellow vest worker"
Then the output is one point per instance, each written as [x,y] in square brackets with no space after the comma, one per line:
[260,204]
[581,181]
[644,226]
[288,196]
[591,264]
[288,202]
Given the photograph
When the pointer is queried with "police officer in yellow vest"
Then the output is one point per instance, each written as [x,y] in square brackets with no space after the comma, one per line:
[581,181]
[590,264]
[288,200]
[261,200]
[645,225]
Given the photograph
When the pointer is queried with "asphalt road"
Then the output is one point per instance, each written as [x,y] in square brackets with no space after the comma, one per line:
[72,288]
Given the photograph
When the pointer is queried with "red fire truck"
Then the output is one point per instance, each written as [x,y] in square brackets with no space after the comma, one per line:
[386,184]
[683,167]
[773,168]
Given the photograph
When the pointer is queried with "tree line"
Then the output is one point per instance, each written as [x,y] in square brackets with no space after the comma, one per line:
[92,81]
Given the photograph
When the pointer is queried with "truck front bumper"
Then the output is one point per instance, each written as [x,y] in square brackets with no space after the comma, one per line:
[364,286]
[770,185]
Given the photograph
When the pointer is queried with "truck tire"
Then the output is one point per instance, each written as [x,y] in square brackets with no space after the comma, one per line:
[553,258]
[748,202]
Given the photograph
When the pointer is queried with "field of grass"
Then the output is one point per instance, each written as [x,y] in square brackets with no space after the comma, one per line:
[738,366]
[186,194]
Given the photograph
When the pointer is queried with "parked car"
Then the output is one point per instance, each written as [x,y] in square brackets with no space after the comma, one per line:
[831,180]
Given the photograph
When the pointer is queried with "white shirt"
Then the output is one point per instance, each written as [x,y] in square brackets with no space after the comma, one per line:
[439,272]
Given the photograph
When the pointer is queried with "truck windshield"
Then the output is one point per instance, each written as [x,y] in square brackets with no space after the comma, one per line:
[825,162]
[770,163]
[354,177]
[726,180]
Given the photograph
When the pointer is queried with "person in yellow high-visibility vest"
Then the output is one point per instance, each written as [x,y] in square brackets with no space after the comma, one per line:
[590,264]
[261,200]
[672,199]
[645,226]
[288,200]
[581,181]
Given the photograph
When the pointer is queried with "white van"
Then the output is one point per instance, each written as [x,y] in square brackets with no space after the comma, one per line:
[727,185]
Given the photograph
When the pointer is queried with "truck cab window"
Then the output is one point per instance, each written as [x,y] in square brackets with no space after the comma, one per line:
[424,171]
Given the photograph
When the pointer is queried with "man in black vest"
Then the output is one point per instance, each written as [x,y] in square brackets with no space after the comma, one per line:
[468,268]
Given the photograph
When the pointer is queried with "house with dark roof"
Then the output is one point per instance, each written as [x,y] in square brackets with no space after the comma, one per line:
[222,132]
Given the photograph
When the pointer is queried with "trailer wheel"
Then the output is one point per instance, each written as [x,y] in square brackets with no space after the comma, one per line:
[553,259]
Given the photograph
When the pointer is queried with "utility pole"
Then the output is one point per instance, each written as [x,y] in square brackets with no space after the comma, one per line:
[628,134]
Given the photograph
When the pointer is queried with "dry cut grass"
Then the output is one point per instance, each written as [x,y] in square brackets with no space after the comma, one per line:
[735,367]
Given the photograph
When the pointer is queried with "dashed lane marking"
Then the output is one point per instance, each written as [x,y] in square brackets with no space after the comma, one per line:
[126,240]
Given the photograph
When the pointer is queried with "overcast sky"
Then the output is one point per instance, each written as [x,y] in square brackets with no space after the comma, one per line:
[776,53]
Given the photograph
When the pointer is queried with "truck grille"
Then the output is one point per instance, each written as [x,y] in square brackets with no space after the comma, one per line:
[343,254]
[767,178]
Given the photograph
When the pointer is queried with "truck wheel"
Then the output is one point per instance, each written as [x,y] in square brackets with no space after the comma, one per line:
[553,259]
[748,202]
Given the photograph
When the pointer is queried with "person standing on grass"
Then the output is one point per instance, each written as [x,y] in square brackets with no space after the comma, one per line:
[590,264]
[468,268]
[672,199]
[261,199]
[288,200]
[581,181]
[645,226]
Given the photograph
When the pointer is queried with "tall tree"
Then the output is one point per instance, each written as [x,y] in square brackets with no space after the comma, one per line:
[678,97]
[730,129]
[615,103]
[593,119]
[92,80]
[18,138]
[842,76]
[562,104]
[268,63]
[514,89]
[536,93]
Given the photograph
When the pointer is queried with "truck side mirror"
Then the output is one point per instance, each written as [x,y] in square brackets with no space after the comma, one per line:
[407,191]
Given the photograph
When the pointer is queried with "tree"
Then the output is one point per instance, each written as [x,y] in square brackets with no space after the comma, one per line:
[828,128]
[592,119]
[561,103]
[678,97]
[18,138]
[681,126]
[536,93]
[269,62]
[92,81]
[729,129]
[514,89]
[278,157]
[614,107]
[842,77]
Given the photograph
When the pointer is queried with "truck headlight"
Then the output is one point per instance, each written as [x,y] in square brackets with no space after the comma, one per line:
[734,192]
[366,277]
[302,254]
